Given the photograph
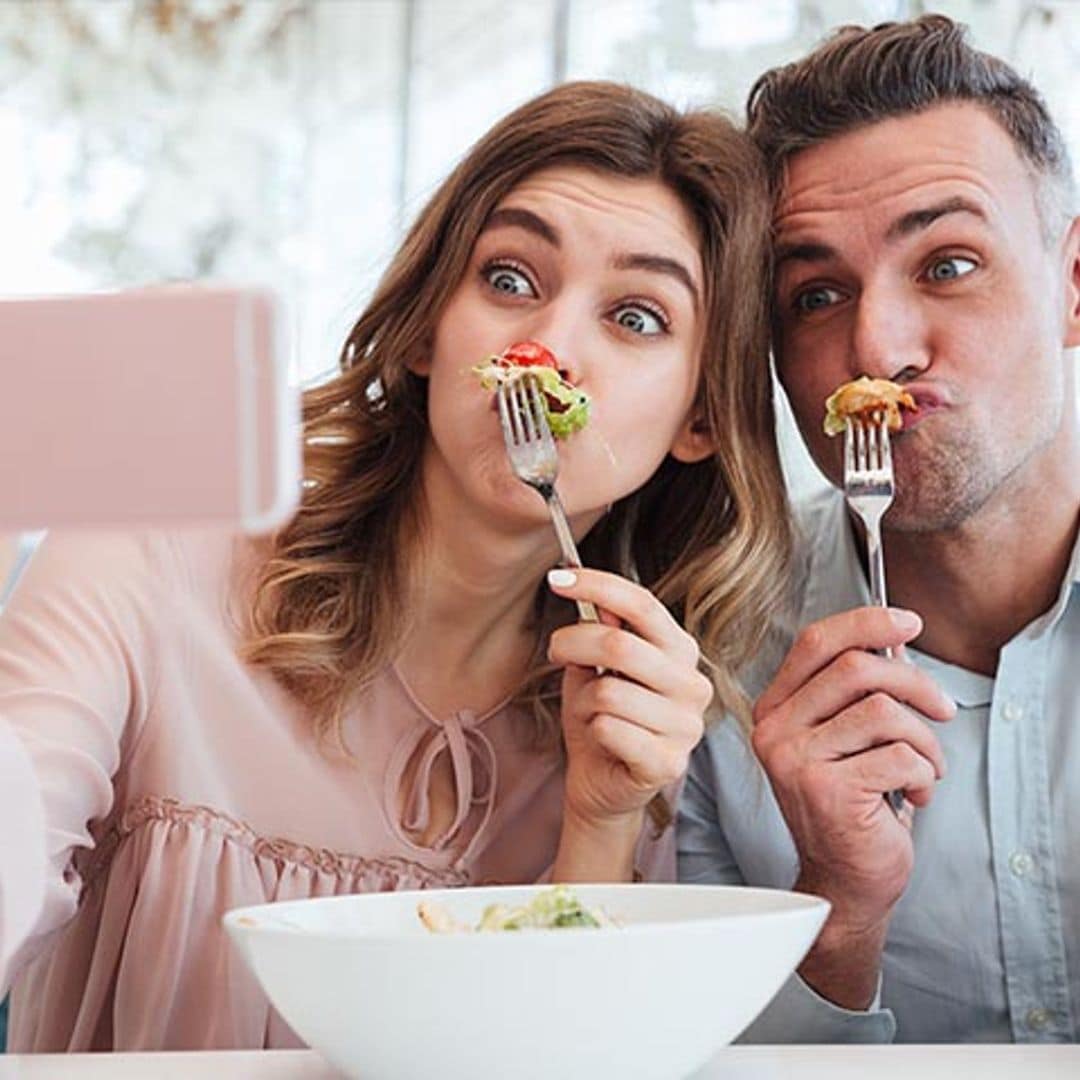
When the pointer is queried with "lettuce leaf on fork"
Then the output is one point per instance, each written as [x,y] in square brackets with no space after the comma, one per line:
[567,406]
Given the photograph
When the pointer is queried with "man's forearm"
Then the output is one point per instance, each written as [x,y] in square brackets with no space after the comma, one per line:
[844,965]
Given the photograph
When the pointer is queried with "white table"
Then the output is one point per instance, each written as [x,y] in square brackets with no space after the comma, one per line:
[734,1063]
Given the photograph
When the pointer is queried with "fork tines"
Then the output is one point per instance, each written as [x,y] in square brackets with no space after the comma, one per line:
[866,443]
[526,409]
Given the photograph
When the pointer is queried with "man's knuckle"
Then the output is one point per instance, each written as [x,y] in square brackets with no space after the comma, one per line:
[810,640]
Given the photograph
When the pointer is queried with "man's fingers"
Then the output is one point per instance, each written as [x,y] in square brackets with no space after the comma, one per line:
[817,645]
[876,721]
[853,676]
[896,767]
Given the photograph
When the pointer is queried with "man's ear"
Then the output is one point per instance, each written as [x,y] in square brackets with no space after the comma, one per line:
[694,441]
[1072,286]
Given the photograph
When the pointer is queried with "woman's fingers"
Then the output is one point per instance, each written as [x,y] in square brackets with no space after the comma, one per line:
[616,649]
[617,697]
[631,603]
[651,760]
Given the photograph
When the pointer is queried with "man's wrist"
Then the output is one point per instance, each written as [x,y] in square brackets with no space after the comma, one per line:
[844,964]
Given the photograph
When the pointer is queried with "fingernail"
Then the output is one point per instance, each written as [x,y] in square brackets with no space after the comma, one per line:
[905,620]
[561,579]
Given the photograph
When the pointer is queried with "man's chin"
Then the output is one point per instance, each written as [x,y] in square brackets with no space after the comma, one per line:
[934,511]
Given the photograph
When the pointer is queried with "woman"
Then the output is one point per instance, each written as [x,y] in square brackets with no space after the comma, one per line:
[389,694]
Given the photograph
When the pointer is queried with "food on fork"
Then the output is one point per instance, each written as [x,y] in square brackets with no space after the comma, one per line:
[864,397]
[566,406]
[553,909]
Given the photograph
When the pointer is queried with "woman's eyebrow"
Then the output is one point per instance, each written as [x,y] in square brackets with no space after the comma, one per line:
[519,218]
[658,264]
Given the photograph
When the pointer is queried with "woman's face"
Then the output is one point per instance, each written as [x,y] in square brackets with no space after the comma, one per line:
[606,272]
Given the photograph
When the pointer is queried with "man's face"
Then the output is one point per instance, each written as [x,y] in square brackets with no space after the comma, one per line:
[912,250]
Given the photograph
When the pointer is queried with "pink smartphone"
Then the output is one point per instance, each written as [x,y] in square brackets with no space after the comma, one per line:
[160,406]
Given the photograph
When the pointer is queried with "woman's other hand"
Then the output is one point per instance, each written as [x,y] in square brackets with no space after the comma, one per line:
[629,727]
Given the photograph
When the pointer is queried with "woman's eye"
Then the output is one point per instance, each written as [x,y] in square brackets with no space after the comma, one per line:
[506,279]
[950,268]
[639,320]
[816,298]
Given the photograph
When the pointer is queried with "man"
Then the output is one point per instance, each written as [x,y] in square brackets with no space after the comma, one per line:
[924,233]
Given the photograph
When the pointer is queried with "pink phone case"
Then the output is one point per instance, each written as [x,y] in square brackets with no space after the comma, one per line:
[147,407]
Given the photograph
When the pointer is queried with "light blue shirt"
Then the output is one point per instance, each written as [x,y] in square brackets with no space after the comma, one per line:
[985,943]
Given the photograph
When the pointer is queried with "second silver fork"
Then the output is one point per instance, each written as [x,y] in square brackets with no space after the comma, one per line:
[869,489]
[535,460]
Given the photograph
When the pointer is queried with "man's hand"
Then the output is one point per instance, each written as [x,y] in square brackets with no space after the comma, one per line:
[835,732]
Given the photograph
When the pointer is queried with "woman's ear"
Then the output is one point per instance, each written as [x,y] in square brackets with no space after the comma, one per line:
[694,441]
[419,363]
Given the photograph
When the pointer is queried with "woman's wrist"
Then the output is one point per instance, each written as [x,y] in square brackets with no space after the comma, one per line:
[598,850]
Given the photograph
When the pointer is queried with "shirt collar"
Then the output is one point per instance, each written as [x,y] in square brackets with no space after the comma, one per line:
[1070,591]
[835,578]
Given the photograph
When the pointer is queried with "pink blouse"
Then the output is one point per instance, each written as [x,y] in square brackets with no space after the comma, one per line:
[178,782]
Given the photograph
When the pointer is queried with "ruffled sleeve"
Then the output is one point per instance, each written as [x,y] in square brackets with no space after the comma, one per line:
[75,672]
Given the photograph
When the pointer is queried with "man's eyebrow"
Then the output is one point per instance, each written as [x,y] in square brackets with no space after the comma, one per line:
[658,264]
[808,252]
[522,219]
[905,225]
[915,220]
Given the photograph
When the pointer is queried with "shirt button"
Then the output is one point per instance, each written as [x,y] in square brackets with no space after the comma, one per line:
[1021,863]
[1038,1019]
[1012,712]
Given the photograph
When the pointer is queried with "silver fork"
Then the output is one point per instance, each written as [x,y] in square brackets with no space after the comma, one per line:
[535,460]
[869,489]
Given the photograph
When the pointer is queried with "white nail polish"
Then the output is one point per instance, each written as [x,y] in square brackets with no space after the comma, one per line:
[562,579]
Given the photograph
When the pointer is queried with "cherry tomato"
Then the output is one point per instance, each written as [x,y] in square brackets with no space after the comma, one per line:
[529,354]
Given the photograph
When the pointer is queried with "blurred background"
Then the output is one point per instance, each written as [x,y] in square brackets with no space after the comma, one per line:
[289,142]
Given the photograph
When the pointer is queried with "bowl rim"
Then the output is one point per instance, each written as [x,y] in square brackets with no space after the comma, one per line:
[269,918]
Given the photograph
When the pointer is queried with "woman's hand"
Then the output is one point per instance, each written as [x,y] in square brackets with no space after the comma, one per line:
[630,729]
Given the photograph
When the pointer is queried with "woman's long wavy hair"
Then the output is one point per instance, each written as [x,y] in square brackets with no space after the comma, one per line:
[331,604]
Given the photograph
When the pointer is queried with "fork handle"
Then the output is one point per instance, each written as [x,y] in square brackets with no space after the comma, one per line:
[875,556]
[586,608]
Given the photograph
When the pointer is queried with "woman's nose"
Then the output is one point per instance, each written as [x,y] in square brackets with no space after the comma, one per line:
[564,328]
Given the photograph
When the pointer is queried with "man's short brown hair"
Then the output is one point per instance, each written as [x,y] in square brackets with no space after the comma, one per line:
[859,76]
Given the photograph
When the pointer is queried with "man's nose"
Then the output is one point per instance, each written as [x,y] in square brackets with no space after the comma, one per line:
[889,336]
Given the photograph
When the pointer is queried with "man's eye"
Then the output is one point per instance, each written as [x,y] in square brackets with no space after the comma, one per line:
[950,268]
[640,320]
[815,299]
[506,279]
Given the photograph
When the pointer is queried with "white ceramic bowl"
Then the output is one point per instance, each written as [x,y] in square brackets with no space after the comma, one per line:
[363,982]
